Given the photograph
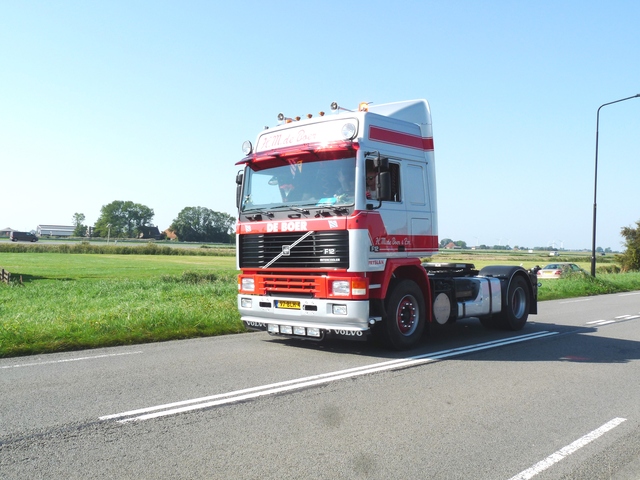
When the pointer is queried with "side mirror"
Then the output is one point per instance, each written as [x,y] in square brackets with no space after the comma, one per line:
[381,164]
[383,187]
[239,178]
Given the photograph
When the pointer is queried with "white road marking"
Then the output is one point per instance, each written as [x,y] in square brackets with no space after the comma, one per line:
[607,322]
[77,359]
[578,300]
[601,322]
[627,294]
[289,385]
[568,450]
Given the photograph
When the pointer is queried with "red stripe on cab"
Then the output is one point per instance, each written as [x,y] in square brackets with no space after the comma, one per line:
[399,138]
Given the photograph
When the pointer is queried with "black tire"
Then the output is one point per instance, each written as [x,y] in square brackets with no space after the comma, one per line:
[404,321]
[516,308]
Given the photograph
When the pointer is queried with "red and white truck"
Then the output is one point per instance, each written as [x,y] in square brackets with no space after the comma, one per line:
[335,213]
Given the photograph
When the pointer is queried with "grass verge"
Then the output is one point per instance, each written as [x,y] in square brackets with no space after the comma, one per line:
[585,285]
[43,317]
[78,301]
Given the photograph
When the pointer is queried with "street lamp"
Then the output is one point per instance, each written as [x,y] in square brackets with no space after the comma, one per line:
[595,184]
[109,232]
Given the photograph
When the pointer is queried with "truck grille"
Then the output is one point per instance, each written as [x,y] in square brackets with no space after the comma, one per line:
[291,284]
[319,250]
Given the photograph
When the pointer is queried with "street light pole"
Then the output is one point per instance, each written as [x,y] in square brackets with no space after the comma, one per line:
[595,184]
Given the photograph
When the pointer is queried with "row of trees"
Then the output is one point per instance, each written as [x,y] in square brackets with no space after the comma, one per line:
[126,219]
[199,224]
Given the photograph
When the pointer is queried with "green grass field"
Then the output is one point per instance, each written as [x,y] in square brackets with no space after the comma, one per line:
[80,267]
[74,301]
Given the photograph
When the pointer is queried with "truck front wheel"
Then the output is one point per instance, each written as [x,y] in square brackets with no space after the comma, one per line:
[516,311]
[404,321]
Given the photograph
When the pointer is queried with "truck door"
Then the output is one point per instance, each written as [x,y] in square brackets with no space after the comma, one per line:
[417,201]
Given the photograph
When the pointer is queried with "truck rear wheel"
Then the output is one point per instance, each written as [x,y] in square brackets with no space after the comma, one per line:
[516,311]
[404,320]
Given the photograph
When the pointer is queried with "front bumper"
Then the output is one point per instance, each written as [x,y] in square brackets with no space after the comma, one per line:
[314,319]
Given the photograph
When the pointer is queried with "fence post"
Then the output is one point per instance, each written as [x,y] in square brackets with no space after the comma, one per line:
[5,276]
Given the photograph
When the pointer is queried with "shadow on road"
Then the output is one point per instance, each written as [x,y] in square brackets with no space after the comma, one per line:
[568,344]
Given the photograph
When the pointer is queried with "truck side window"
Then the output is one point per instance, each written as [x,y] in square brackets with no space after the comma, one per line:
[394,170]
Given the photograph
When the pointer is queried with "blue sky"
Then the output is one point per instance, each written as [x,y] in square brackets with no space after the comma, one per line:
[150,101]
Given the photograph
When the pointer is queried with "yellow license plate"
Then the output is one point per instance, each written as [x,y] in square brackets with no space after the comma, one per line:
[287,304]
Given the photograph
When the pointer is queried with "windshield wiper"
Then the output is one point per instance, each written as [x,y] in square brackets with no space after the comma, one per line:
[336,210]
[301,210]
[304,211]
[259,213]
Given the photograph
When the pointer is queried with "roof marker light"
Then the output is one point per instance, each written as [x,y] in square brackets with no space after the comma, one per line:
[363,107]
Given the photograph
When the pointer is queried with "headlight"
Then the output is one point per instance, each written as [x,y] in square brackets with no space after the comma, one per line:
[245,302]
[341,287]
[248,284]
[247,148]
[348,131]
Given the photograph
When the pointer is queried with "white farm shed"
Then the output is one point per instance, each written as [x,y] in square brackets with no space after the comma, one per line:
[55,230]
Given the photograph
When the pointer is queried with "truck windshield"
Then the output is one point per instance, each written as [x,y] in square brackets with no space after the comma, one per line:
[286,183]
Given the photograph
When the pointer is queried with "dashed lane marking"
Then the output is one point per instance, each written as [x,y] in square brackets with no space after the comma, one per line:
[568,450]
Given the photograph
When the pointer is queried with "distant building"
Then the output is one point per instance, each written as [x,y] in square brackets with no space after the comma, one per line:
[149,231]
[5,232]
[55,230]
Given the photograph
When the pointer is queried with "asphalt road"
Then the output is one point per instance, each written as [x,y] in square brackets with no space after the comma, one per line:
[558,400]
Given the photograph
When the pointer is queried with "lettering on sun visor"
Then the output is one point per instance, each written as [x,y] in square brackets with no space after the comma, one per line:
[292,226]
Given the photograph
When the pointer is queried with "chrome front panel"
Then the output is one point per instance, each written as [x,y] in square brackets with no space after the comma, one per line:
[313,312]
